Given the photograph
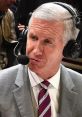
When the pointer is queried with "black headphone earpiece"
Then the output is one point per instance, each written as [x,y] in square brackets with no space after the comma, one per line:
[23,36]
[20,48]
[22,41]
[72,48]
[74,14]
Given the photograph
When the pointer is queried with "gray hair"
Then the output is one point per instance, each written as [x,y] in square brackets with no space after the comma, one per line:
[53,11]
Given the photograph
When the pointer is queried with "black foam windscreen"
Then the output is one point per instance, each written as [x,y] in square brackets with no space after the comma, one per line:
[22,59]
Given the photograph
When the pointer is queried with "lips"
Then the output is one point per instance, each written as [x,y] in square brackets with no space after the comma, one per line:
[33,60]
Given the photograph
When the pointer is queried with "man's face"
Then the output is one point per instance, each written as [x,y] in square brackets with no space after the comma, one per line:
[5,4]
[45,46]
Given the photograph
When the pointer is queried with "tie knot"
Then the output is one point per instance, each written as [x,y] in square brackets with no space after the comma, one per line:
[45,84]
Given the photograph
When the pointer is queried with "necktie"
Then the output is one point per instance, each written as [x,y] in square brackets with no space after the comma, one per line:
[44,109]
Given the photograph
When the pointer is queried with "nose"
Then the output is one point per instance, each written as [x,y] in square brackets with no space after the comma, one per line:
[38,49]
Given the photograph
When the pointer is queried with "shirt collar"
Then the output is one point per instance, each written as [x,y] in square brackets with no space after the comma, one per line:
[35,79]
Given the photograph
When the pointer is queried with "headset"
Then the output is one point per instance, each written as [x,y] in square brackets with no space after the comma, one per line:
[20,48]
[72,48]
[74,14]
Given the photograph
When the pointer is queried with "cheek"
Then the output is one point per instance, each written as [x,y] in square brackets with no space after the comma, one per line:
[55,54]
[27,50]
[50,56]
[54,59]
[29,47]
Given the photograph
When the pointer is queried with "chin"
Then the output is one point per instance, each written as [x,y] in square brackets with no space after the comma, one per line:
[35,68]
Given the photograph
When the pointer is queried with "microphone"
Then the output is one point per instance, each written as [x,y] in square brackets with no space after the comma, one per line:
[22,59]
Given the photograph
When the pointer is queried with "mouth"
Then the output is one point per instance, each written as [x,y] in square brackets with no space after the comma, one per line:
[33,60]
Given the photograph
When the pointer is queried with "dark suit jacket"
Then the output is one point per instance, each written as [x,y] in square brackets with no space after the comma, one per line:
[16,97]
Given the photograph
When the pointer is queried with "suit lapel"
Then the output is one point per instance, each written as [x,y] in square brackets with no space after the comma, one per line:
[68,95]
[22,94]
[23,97]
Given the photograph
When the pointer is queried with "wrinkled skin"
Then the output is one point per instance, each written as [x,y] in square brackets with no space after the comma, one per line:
[45,46]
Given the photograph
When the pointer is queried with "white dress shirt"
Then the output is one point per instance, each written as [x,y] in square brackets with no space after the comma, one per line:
[53,89]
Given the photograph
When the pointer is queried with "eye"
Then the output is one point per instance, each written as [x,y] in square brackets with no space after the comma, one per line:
[33,37]
[47,41]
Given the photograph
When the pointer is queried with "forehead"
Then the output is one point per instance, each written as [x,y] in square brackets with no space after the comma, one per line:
[35,22]
[45,25]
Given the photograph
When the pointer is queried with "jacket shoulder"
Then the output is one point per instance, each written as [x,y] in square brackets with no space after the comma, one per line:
[7,85]
[8,75]
[75,76]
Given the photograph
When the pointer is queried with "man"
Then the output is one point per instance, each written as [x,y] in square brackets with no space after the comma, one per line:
[44,87]
[7,33]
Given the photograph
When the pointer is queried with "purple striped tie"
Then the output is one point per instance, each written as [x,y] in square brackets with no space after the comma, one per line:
[44,101]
